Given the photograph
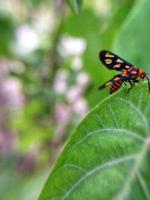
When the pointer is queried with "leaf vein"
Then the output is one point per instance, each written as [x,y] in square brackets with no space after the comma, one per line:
[96,169]
[113,116]
[143,185]
[122,131]
[137,110]
[74,166]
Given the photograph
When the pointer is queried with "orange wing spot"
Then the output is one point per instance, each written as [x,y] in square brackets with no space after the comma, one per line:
[116,78]
[124,71]
[117,66]
[124,74]
[108,61]
[108,55]
[119,60]
[128,70]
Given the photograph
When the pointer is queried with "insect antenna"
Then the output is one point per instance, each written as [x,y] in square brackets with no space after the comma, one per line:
[147,76]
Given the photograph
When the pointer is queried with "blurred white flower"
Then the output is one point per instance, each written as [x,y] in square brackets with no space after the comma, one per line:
[4,67]
[62,112]
[80,107]
[44,20]
[103,7]
[82,79]
[11,90]
[7,6]
[60,87]
[60,83]
[73,93]
[7,141]
[62,75]
[27,39]
[76,63]
[71,46]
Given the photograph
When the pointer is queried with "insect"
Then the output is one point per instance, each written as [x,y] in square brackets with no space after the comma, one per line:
[129,73]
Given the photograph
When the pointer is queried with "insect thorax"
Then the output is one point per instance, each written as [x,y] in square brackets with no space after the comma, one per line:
[133,72]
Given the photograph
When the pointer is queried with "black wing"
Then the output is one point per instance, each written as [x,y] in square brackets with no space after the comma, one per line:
[112,61]
[114,84]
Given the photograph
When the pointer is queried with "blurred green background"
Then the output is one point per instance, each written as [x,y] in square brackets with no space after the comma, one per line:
[49,74]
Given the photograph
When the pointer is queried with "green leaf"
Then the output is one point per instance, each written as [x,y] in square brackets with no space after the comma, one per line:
[108,155]
[75,5]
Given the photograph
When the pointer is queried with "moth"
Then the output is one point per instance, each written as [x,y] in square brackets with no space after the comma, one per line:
[128,73]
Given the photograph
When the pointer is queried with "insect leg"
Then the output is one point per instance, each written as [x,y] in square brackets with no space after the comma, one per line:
[131,85]
[133,81]
[136,81]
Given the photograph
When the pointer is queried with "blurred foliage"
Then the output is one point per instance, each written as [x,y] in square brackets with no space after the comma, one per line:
[50,71]
[134,36]
[75,5]
[7,34]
